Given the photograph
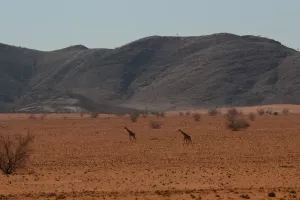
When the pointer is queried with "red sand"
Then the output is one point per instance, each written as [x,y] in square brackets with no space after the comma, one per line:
[94,159]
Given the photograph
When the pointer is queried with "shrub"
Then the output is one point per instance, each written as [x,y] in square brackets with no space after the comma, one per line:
[260,111]
[14,152]
[213,112]
[269,111]
[145,114]
[32,116]
[196,117]
[94,115]
[81,115]
[162,115]
[188,113]
[155,124]
[285,111]
[158,114]
[252,116]
[237,123]
[233,112]
[43,116]
[134,116]
[181,114]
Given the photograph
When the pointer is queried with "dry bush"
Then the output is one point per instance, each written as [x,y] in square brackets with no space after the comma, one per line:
[81,115]
[260,111]
[159,114]
[134,116]
[14,152]
[181,114]
[252,116]
[213,112]
[196,117]
[43,116]
[188,113]
[155,124]
[145,114]
[269,111]
[32,116]
[285,111]
[94,115]
[236,123]
[233,112]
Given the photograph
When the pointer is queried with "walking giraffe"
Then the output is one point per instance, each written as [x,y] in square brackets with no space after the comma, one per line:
[186,138]
[131,134]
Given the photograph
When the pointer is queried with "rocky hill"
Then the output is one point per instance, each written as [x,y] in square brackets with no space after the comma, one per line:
[156,72]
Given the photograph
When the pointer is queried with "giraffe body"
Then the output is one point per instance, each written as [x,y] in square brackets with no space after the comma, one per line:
[131,134]
[186,138]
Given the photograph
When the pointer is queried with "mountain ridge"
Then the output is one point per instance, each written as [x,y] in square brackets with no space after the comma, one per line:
[156,72]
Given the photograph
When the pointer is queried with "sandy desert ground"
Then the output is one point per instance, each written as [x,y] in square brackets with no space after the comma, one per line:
[88,158]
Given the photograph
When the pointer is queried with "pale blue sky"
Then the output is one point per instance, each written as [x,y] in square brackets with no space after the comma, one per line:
[53,24]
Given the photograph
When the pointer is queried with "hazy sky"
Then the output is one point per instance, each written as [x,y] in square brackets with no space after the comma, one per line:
[53,24]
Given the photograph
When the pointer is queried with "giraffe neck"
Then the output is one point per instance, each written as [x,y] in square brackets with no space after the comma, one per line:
[182,132]
[127,130]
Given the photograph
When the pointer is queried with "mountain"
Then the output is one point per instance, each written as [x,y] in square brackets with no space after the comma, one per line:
[156,72]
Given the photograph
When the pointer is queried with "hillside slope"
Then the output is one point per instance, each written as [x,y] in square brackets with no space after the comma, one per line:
[156,72]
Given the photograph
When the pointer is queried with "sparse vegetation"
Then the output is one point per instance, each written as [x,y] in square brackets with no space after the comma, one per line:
[145,114]
[285,111]
[187,113]
[155,124]
[158,114]
[181,114]
[235,121]
[43,116]
[260,111]
[233,112]
[94,115]
[196,117]
[81,115]
[213,112]
[270,111]
[134,116]
[252,116]
[14,152]
[32,116]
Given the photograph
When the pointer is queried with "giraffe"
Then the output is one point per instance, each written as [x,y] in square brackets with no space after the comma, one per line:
[186,137]
[131,134]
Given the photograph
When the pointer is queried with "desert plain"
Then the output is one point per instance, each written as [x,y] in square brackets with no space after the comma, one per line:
[93,158]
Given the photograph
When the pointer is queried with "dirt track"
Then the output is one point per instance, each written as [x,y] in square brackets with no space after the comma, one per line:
[93,159]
